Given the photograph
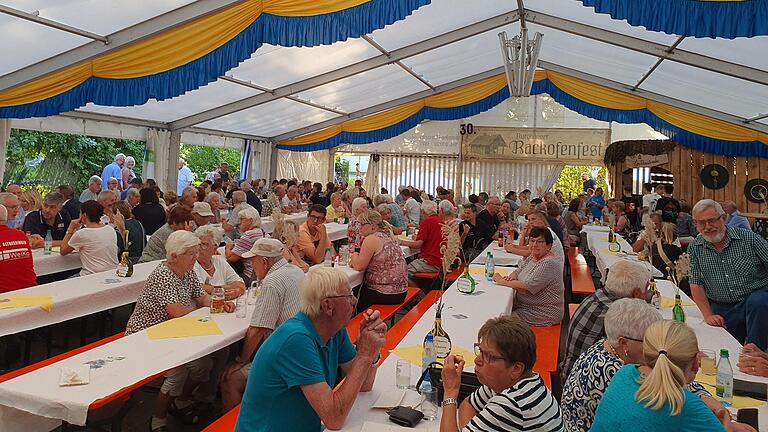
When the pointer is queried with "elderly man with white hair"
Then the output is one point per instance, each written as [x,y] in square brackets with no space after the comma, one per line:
[16,264]
[132,197]
[113,170]
[729,275]
[429,238]
[250,196]
[397,218]
[49,218]
[625,279]
[278,301]
[93,189]
[13,207]
[173,290]
[231,225]
[292,379]
[111,217]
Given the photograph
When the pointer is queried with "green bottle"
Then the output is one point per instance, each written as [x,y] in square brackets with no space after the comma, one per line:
[678,314]
[466,283]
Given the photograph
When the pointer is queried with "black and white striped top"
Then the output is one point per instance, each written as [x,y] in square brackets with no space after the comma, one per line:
[526,406]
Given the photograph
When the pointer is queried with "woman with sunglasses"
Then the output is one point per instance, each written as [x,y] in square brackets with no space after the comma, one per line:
[506,354]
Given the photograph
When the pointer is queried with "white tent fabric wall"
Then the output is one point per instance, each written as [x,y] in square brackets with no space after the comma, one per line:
[156,164]
[303,165]
[423,172]
[499,177]
[371,182]
[261,157]
[5,134]
[76,126]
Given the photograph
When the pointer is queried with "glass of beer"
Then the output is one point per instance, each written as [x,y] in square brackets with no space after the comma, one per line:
[708,362]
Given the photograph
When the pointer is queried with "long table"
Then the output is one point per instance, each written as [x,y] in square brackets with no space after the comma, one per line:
[54,263]
[35,402]
[462,317]
[597,241]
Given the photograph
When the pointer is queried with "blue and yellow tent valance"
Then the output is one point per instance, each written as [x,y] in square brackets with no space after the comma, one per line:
[194,54]
[697,18]
[592,100]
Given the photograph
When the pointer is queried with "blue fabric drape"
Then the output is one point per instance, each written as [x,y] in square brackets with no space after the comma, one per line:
[270,29]
[696,18]
[245,159]
[688,139]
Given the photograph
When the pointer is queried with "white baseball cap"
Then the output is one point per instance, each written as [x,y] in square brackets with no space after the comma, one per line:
[265,247]
[202,208]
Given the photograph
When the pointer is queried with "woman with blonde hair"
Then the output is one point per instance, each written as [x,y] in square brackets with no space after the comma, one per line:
[288,233]
[653,396]
[380,257]
[30,200]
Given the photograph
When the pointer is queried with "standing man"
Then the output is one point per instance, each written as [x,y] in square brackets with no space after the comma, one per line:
[668,206]
[223,172]
[292,380]
[115,169]
[650,198]
[185,177]
[729,275]
[277,301]
[735,219]
[587,182]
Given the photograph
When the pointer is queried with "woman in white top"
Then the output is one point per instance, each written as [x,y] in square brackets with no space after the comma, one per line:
[413,208]
[96,242]
[214,270]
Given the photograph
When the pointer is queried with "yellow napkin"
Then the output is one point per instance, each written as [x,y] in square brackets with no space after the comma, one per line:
[708,381]
[667,302]
[480,271]
[413,354]
[184,327]
[44,302]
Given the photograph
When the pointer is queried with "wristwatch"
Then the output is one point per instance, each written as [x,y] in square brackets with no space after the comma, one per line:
[450,401]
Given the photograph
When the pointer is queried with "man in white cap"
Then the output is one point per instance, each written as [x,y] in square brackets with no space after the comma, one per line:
[201,213]
[277,301]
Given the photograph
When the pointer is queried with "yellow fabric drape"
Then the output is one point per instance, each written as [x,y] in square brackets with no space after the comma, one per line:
[170,49]
[588,92]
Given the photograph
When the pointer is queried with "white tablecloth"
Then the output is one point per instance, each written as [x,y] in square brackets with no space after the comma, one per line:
[490,300]
[35,402]
[76,297]
[54,263]
[595,228]
[500,256]
[598,244]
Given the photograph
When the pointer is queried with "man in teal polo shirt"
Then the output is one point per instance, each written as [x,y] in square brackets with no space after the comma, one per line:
[290,387]
[729,275]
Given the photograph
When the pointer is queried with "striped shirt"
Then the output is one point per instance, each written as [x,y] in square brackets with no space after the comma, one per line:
[243,245]
[732,275]
[526,406]
[278,299]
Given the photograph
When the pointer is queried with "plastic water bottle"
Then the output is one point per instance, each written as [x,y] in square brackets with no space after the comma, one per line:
[328,262]
[724,380]
[428,356]
[490,267]
[48,243]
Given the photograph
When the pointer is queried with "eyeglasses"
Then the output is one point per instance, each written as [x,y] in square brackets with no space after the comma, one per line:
[632,339]
[314,217]
[347,296]
[713,221]
[486,356]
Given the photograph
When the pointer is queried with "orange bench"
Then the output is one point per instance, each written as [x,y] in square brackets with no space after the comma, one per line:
[572,308]
[387,313]
[547,351]
[227,422]
[581,275]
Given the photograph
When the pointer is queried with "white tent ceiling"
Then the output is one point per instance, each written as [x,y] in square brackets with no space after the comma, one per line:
[281,92]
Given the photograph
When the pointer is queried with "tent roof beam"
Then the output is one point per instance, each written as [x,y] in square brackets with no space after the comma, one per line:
[37,19]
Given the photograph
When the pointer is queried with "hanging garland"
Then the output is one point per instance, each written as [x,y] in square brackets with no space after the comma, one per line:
[619,150]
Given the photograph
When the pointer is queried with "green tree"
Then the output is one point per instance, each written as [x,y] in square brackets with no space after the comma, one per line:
[44,160]
[202,160]
[570,179]
[341,169]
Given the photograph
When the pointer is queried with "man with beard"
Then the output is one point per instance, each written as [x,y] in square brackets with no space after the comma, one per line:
[729,275]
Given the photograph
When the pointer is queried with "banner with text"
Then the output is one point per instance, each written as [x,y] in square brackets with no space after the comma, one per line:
[572,146]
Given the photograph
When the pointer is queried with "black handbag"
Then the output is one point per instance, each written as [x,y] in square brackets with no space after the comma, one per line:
[405,416]
[469,382]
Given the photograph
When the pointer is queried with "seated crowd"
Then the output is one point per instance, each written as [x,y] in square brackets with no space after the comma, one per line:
[287,374]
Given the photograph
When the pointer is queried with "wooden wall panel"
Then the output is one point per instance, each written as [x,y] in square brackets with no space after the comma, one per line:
[754,165]
[682,173]
[738,182]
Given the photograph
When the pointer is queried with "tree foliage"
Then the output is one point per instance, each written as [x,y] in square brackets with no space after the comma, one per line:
[341,169]
[570,179]
[44,160]
[202,160]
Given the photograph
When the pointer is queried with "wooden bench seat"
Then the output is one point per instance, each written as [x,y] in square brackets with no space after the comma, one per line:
[547,352]
[387,313]
[581,275]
